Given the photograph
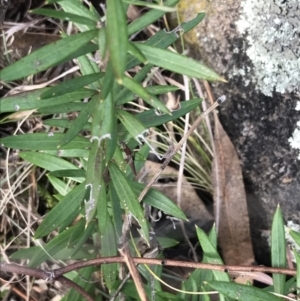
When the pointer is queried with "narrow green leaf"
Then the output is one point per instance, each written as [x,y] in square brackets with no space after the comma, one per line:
[144,94]
[80,279]
[42,141]
[67,209]
[150,119]
[242,292]
[46,161]
[155,90]
[64,16]
[164,38]
[109,248]
[94,180]
[211,254]
[104,126]
[128,199]
[297,256]
[116,34]
[64,108]
[158,200]
[163,8]
[178,63]
[69,153]
[46,56]
[117,211]
[31,100]
[132,49]
[61,187]
[132,125]
[71,85]
[148,18]
[278,250]
[56,244]
[78,124]
[102,43]
[88,231]
[296,236]
[67,173]
[64,123]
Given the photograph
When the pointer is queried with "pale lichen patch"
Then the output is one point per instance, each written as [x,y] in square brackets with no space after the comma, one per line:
[272,30]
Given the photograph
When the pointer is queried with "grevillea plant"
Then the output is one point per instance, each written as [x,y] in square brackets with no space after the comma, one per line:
[89,160]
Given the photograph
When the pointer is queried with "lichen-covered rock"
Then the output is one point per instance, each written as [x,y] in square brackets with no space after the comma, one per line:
[255,45]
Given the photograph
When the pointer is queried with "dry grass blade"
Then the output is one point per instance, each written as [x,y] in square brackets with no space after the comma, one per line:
[230,199]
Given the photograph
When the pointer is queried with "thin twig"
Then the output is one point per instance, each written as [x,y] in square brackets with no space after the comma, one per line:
[43,274]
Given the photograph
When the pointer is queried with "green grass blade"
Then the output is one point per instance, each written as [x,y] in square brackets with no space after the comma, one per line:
[67,209]
[78,124]
[116,34]
[242,292]
[57,244]
[109,248]
[65,16]
[31,100]
[158,200]
[46,161]
[47,56]
[128,198]
[139,90]
[131,123]
[163,8]
[297,256]
[42,141]
[71,85]
[278,250]
[178,63]
[211,254]
[148,18]
[296,236]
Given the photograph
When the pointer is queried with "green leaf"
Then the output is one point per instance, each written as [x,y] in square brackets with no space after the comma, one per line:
[278,250]
[31,100]
[148,18]
[139,90]
[42,141]
[211,254]
[94,180]
[64,16]
[150,5]
[126,95]
[56,244]
[177,63]
[109,248]
[71,85]
[296,236]
[242,292]
[128,199]
[116,34]
[64,108]
[297,256]
[88,231]
[150,119]
[61,187]
[67,209]
[104,126]
[158,200]
[132,49]
[49,162]
[47,56]
[130,122]
[67,173]
[78,124]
